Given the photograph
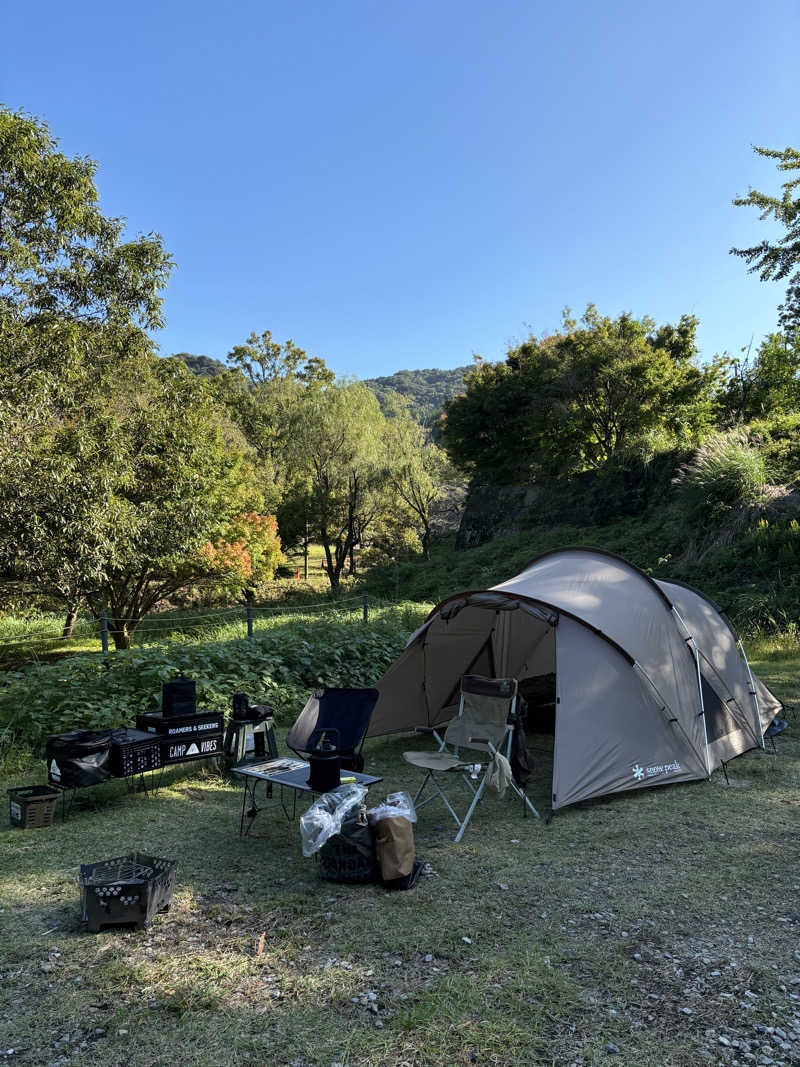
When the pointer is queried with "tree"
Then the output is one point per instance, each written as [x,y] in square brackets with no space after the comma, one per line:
[134,501]
[766,385]
[776,260]
[416,469]
[263,396]
[247,555]
[598,390]
[338,453]
[59,255]
[116,468]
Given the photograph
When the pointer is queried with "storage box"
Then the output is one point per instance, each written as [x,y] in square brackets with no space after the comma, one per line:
[32,805]
[179,750]
[179,697]
[134,752]
[181,726]
[79,758]
[124,890]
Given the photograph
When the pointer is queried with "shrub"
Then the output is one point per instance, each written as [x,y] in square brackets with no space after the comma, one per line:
[726,472]
[279,668]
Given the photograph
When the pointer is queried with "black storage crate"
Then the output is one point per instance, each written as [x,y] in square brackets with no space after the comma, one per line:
[79,758]
[180,750]
[126,890]
[133,752]
[181,726]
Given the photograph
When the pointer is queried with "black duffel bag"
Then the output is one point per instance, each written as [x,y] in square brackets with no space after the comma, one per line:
[79,758]
[349,856]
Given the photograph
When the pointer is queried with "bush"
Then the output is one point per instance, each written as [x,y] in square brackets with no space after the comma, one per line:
[280,668]
[779,442]
[726,472]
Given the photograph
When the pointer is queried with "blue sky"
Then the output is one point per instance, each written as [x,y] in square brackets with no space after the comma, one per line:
[404,185]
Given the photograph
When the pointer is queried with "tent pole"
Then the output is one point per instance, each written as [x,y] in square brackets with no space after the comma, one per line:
[677,615]
[753,691]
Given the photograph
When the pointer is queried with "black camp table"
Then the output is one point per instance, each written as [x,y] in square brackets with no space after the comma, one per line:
[295,778]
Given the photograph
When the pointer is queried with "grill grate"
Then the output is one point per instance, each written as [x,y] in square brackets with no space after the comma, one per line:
[126,889]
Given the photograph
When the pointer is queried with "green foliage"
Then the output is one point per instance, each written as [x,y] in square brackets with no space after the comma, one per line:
[775,260]
[425,390]
[726,472]
[417,471]
[557,406]
[280,668]
[113,505]
[768,385]
[60,257]
[204,366]
[337,449]
[778,440]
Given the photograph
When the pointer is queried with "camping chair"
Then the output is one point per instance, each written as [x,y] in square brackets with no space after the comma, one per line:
[485,722]
[341,716]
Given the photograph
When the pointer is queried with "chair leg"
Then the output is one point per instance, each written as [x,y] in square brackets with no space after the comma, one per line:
[472,807]
[421,789]
[524,798]
[429,777]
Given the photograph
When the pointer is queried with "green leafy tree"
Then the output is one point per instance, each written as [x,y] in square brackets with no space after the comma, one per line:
[115,467]
[601,389]
[766,385]
[337,452]
[59,255]
[417,471]
[117,508]
[263,395]
[776,260]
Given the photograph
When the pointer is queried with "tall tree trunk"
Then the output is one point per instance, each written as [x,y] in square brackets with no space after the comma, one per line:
[426,540]
[121,632]
[72,615]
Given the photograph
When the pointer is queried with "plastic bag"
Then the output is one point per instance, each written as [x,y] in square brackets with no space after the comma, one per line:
[325,816]
[396,805]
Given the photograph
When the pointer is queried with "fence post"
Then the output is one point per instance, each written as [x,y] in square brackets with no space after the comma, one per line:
[104,632]
[366,609]
[250,615]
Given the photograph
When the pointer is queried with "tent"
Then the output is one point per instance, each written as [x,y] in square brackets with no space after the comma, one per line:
[651,683]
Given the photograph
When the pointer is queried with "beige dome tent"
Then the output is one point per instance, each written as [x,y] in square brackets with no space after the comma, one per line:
[652,684]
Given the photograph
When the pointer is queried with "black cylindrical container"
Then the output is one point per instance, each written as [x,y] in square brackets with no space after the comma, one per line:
[179,697]
[324,767]
[241,706]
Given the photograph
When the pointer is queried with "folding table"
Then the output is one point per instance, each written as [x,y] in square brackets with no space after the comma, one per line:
[288,774]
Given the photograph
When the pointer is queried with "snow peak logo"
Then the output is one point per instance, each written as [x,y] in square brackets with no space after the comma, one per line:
[655,771]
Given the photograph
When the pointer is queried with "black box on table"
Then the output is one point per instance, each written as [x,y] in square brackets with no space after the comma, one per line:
[181,726]
[133,752]
[179,697]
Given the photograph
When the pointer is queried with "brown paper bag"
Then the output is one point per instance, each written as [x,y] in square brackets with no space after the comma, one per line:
[394,847]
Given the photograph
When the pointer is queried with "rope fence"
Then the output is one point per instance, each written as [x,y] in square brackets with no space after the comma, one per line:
[248,616]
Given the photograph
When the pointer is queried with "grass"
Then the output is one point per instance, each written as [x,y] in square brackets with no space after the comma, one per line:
[37,640]
[601,927]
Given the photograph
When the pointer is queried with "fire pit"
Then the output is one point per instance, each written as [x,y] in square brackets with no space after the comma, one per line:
[126,890]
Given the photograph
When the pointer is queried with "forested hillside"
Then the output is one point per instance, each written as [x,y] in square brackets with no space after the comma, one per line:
[426,390]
